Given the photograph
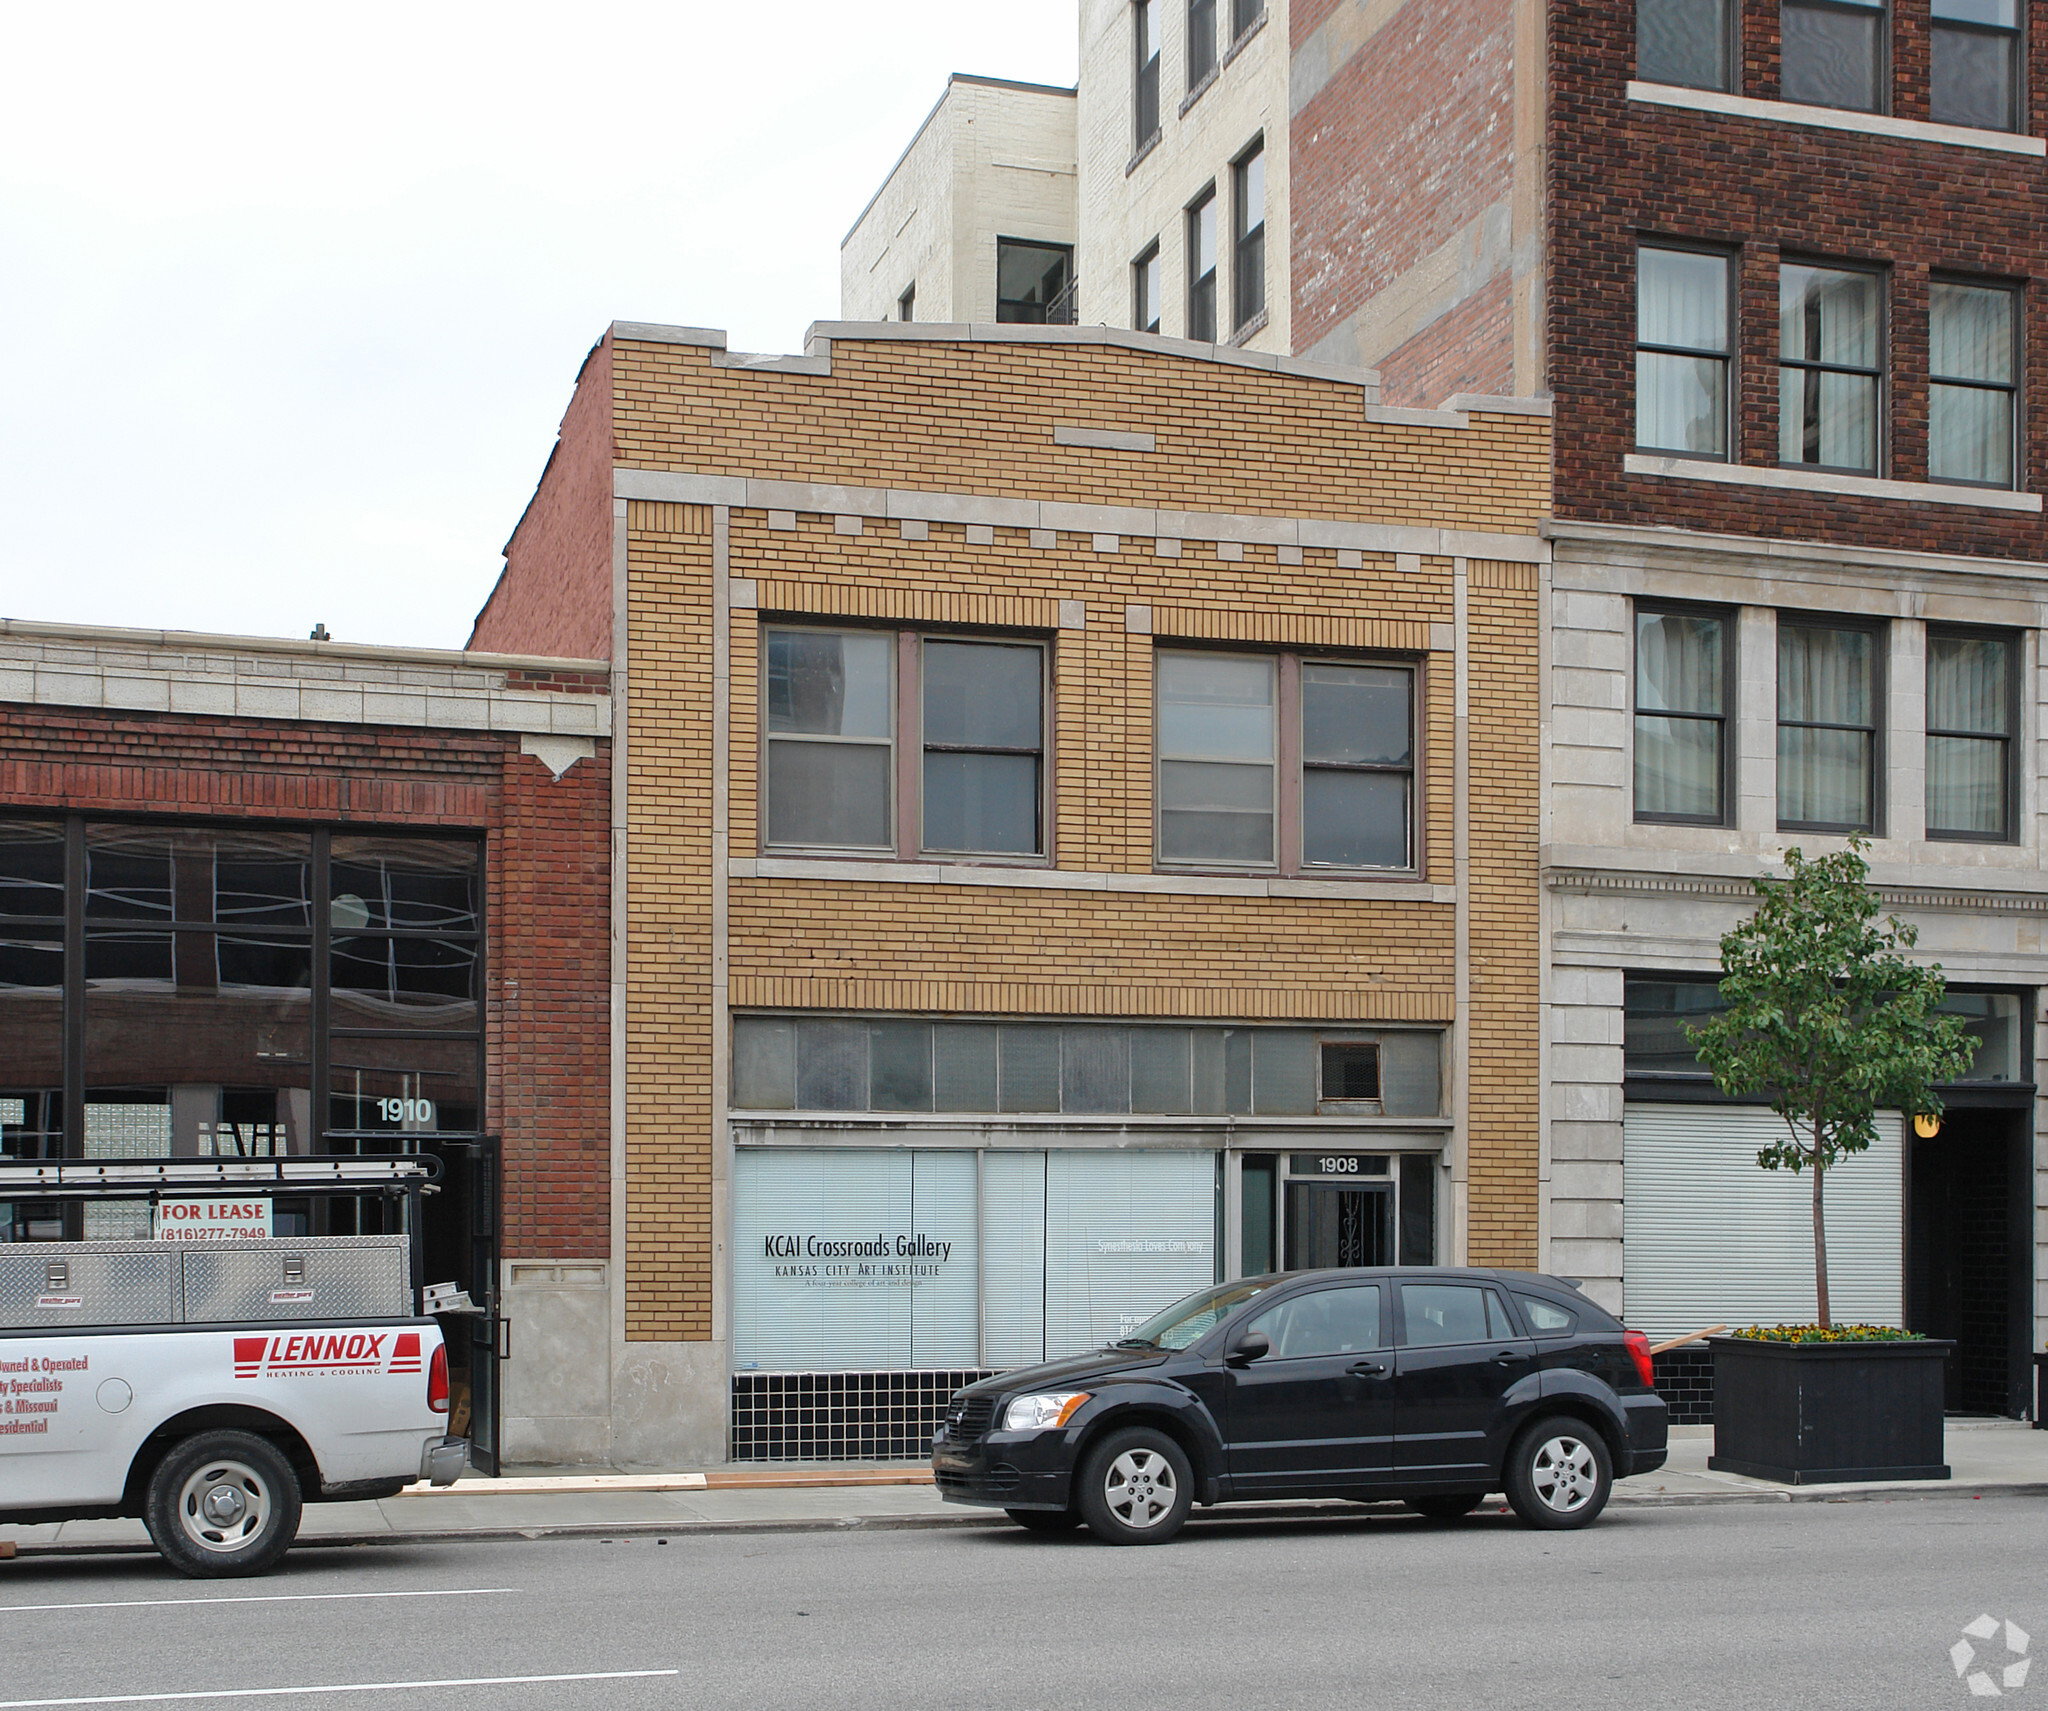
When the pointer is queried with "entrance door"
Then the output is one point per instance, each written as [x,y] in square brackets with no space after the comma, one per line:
[460,1243]
[1966,1196]
[1339,1224]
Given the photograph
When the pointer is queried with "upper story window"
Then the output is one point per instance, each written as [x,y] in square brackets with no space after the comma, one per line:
[1243,15]
[1828,750]
[1684,669]
[1032,282]
[1248,247]
[1834,53]
[1830,368]
[1976,55]
[1145,282]
[1330,786]
[1682,342]
[1145,54]
[972,772]
[1972,716]
[1201,222]
[1201,40]
[906,305]
[1686,42]
[1972,373]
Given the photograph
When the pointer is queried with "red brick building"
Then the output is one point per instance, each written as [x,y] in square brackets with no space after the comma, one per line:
[264,897]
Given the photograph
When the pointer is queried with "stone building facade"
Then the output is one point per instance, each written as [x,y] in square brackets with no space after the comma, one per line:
[1079,841]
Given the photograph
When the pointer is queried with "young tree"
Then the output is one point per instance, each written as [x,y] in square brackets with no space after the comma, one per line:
[1827,1016]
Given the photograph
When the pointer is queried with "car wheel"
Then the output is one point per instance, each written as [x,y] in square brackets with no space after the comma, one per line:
[1045,1520]
[1446,1508]
[1559,1473]
[221,1504]
[1136,1487]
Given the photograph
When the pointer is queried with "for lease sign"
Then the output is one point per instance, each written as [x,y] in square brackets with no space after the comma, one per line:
[212,1220]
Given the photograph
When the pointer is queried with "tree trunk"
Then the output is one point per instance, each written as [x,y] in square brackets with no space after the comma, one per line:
[1820,1243]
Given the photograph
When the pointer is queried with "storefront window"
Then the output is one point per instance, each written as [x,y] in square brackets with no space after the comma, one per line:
[852,1259]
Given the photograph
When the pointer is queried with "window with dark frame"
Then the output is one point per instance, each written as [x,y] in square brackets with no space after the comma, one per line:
[1201,41]
[971,767]
[1243,15]
[1683,338]
[1830,368]
[1328,787]
[1145,55]
[1032,282]
[1684,660]
[1829,694]
[1833,53]
[1972,708]
[1350,1071]
[1685,42]
[906,305]
[1201,249]
[1975,74]
[1145,298]
[1248,248]
[1973,382]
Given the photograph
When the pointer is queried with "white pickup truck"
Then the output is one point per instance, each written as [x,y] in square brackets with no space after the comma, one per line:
[211,1391]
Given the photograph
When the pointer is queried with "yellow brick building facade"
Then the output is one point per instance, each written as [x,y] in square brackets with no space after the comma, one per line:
[889,1109]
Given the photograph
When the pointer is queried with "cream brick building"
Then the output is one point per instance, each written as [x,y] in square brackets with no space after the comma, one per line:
[1077,840]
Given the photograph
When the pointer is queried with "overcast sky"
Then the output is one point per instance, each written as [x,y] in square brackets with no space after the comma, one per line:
[291,299]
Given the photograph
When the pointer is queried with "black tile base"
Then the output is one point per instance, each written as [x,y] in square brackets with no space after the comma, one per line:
[1685,1379]
[839,1416]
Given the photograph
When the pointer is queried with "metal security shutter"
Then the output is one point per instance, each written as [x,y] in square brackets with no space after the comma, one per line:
[1710,1238]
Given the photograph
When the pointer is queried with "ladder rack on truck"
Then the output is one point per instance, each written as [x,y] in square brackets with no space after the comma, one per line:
[212,1387]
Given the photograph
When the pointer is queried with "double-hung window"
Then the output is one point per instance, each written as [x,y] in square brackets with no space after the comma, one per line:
[1833,53]
[1684,663]
[1976,61]
[1830,368]
[1145,54]
[1032,282]
[897,743]
[1248,247]
[1972,715]
[1243,15]
[1972,374]
[1686,42]
[1304,765]
[1829,693]
[1201,41]
[1682,346]
[1145,290]
[1201,240]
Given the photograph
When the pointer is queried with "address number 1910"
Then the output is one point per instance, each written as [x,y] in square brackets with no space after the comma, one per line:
[406,1110]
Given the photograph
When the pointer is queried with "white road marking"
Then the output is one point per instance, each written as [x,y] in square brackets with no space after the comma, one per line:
[336,1687]
[256,1598]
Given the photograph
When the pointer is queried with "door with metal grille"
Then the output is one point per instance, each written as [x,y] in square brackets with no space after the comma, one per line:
[1339,1224]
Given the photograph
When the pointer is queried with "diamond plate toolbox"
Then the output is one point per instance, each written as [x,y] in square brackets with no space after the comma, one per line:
[325,1277]
[55,1285]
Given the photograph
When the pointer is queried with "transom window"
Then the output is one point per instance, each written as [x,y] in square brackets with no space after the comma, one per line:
[1830,368]
[1328,784]
[1682,317]
[1683,669]
[970,779]
[1972,680]
[1976,60]
[1972,372]
[1834,53]
[1828,697]
[1685,42]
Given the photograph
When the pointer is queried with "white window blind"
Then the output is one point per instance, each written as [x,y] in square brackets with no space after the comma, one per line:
[1711,1238]
[1126,1233]
[1013,1257]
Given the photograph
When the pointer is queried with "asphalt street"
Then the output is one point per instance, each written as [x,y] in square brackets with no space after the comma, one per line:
[1838,1604]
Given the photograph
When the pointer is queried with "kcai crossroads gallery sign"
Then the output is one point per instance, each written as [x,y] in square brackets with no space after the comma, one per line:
[813,1260]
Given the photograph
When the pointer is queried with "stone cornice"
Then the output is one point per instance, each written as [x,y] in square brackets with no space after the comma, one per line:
[1722,887]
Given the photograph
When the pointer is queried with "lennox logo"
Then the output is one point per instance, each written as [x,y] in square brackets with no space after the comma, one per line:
[327,1352]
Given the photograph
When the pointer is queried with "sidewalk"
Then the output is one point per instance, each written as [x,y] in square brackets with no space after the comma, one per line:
[1988,1457]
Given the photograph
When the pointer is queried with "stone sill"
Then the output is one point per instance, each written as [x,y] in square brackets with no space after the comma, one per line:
[1814,481]
[1834,119]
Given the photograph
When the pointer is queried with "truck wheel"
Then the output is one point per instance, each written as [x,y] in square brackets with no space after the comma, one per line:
[1136,1488]
[222,1503]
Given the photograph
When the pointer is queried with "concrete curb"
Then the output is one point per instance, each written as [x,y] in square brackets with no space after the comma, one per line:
[1224,1515]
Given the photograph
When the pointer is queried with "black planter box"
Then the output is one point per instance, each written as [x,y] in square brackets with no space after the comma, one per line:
[1826,1413]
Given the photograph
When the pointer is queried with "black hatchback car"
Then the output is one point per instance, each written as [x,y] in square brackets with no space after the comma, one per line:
[1432,1386]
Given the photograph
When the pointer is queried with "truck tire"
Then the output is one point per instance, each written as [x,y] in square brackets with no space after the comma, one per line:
[222,1504]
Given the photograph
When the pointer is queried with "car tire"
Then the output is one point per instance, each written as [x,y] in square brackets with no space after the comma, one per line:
[1446,1508]
[1045,1520]
[223,1504]
[1136,1487]
[1559,1473]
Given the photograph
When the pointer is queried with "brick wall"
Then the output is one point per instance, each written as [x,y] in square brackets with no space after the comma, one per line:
[1467,349]
[562,606]
[1620,169]
[546,844]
